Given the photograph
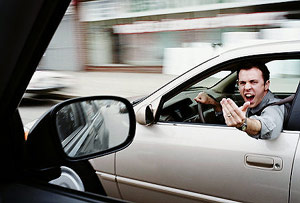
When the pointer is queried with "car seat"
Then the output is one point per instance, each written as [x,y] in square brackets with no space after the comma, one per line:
[293,118]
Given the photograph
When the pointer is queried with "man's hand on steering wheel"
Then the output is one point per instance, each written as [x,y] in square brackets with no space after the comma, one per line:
[204,98]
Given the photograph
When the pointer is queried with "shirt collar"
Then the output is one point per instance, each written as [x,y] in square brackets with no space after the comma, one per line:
[268,98]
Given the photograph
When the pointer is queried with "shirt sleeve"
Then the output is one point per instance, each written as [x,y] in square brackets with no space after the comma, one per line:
[271,120]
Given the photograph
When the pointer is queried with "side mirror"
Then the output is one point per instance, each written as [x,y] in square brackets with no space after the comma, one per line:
[81,129]
[92,126]
[144,115]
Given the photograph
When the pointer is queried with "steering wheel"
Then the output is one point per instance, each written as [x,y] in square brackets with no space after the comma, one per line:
[200,112]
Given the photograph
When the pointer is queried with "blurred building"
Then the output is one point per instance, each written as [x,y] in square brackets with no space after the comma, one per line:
[65,49]
[171,36]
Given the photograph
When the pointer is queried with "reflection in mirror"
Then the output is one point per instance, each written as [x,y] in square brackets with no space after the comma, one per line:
[88,127]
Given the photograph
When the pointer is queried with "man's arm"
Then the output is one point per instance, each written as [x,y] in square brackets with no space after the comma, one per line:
[271,120]
[253,127]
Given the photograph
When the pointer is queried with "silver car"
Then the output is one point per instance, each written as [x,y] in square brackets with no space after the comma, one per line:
[182,154]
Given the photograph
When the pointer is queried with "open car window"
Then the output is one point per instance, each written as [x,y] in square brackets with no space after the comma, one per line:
[183,108]
[284,78]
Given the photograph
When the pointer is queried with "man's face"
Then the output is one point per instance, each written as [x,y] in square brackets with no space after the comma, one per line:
[251,86]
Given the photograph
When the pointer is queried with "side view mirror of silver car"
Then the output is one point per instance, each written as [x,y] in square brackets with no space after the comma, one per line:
[144,115]
[80,129]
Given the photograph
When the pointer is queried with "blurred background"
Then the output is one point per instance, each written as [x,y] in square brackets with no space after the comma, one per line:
[164,36]
[132,47]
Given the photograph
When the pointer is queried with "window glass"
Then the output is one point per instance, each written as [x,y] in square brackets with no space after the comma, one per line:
[212,80]
[284,75]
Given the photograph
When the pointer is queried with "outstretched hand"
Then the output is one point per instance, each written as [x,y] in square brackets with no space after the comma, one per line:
[234,115]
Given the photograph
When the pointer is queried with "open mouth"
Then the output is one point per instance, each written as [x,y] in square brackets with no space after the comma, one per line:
[249,97]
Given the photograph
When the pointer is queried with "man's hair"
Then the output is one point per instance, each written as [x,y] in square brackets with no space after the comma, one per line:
[261,66]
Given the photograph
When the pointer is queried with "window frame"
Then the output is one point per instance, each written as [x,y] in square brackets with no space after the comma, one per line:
[225,65]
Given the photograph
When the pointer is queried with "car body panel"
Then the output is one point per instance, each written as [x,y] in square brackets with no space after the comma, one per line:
[195,158]
[105,170]
[295,179]
[108,181]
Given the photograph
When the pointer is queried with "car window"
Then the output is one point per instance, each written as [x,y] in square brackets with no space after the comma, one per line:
[90,109]
[183,108]
[284,77]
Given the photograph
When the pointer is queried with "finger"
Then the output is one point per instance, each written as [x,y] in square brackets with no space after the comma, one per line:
[231,115]
[232,107]
[237,111]
[228,118]
[232,103]
[198,97]
[229,109]
[226,113]
[223,101]
[199,100]
[225,105]
[245,106]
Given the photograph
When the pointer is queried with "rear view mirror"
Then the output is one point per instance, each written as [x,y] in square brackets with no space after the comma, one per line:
[92,126]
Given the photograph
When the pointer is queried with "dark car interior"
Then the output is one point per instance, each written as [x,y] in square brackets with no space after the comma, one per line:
[293,117]
[26,30]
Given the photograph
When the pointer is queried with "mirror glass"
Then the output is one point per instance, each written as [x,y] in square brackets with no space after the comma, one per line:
[92,126]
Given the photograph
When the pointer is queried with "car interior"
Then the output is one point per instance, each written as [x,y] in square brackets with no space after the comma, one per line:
[179,105]
[294,115]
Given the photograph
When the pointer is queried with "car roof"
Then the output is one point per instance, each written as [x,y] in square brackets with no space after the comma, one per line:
[263,48]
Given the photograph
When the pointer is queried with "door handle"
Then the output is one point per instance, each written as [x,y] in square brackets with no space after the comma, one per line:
[263,162]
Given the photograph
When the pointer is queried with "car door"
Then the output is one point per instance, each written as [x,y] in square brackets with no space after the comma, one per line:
[176,161]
